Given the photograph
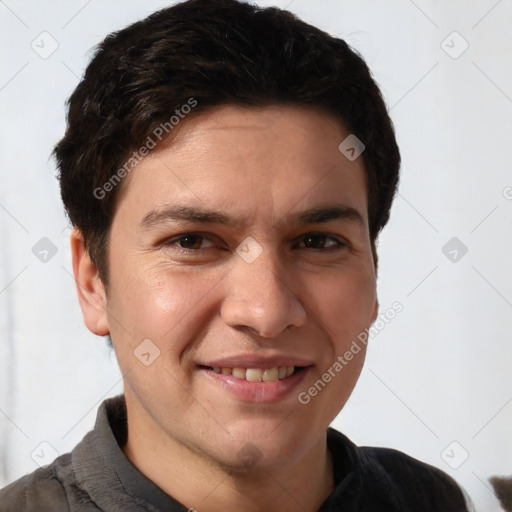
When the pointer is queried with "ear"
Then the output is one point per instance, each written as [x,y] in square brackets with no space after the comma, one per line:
[90,289]
[375,310]
[375,268]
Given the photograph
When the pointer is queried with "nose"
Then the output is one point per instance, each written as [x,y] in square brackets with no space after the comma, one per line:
[259,299]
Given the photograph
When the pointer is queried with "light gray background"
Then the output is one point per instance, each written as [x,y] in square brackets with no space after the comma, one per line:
[439,373]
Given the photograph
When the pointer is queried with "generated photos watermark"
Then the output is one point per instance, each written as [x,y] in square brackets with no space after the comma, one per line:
[304,397]
[159,133]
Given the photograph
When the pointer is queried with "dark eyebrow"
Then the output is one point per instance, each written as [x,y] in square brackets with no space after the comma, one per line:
[316,215]
[325,213]
[186,213]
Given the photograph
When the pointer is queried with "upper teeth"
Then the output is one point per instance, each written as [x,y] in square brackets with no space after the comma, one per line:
[257,374]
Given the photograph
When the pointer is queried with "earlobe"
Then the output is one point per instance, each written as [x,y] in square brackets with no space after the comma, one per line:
[90,289]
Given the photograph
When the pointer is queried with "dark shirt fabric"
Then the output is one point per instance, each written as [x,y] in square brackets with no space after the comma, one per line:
[97,476]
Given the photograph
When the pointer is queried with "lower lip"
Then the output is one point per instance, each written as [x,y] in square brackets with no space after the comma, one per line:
[258,392]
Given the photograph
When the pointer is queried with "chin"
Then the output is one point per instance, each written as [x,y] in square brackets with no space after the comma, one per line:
[261,449]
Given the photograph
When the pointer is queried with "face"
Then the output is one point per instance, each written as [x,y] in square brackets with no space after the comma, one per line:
[241,252]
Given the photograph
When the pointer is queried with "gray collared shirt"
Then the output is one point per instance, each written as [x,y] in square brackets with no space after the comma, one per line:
[97,476]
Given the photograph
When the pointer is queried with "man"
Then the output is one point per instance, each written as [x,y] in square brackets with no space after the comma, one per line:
[227,170]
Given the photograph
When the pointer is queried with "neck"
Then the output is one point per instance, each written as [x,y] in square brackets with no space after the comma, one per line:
[200,483]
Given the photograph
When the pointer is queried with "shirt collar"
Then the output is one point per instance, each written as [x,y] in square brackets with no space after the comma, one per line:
[108,476]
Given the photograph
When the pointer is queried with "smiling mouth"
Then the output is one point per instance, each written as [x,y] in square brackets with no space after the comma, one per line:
[257,374]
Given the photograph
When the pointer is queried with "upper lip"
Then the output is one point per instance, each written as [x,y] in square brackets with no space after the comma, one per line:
[255,361]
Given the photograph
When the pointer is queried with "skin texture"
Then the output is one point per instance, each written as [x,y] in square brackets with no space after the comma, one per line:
[300,298]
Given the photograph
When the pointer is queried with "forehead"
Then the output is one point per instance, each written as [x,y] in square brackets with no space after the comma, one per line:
[264,161]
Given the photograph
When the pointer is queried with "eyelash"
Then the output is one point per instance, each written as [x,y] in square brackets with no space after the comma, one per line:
[340,244]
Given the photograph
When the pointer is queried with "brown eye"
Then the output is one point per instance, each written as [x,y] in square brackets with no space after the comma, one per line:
[314,241]
[320,241]
[190,241]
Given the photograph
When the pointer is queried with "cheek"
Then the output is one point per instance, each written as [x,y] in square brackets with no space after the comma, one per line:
[345,303]
[159,302]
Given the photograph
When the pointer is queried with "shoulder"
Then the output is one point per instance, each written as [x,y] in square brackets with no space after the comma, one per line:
[417,485]
[45,489]
[390,481]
